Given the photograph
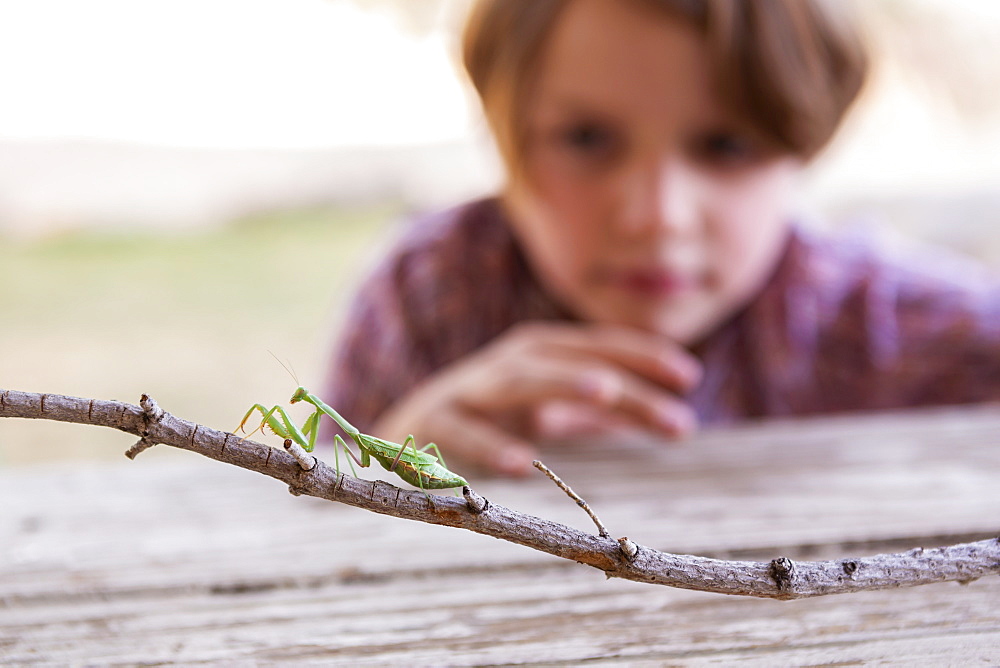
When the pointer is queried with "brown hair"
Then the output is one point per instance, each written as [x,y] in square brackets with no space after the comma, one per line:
[791,68]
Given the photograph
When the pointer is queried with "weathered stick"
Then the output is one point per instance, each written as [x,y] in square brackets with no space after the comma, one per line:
[601,529]
[780,578]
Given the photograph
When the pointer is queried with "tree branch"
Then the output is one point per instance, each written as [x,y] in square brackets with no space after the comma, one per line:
[780,578]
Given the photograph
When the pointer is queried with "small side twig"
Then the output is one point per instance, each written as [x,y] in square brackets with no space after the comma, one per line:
[602,531]
[138,447]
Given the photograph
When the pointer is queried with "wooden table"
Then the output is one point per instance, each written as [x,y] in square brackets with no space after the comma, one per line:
[182,559]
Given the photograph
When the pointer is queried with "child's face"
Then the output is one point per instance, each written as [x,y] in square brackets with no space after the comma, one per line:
[644,202]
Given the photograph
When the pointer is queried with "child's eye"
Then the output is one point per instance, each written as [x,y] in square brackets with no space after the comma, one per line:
[590,140]
[726,149]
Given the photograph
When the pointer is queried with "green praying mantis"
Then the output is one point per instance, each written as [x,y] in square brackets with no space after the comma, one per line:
[417,467]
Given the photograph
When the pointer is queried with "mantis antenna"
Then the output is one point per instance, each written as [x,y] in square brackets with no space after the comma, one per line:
[286,367]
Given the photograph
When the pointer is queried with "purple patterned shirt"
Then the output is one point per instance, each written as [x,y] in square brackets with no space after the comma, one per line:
[839,326]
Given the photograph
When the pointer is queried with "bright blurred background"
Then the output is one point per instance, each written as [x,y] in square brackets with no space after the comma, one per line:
[186,185]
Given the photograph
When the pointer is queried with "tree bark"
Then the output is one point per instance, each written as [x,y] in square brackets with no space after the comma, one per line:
[780,578]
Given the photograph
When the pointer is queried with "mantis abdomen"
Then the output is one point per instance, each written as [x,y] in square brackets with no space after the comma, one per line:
[425,476]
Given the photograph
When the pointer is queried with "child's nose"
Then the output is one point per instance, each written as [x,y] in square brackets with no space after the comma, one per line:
[660,199]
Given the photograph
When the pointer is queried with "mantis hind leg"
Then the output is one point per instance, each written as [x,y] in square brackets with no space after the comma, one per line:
[409,441]
[430,446]
[437,452]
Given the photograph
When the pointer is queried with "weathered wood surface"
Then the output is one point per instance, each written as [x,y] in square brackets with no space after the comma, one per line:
[181,559]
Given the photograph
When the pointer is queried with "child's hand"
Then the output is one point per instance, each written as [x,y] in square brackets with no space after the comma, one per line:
[481,409]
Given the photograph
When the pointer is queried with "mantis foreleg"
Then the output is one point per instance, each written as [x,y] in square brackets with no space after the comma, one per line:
[284,427]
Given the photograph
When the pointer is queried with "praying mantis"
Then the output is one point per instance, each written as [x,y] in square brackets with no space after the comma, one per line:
[417,467]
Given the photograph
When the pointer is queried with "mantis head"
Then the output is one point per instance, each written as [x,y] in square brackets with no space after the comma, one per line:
[299,395]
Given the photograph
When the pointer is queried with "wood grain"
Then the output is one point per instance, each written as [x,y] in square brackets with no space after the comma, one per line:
[165,561]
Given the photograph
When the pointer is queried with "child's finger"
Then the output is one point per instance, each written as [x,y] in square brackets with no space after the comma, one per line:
[647,404]
[527,383]
[561,420]
[651,356]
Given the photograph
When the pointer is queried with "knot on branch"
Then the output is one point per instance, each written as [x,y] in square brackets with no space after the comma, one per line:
[628,548]
[477,504]
[151,411]
[151,414]
[306,461]
[782,571]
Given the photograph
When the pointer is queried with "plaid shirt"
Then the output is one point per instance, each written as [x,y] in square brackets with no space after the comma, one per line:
[839,326]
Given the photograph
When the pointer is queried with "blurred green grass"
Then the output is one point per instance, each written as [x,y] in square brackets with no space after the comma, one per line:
[187,317]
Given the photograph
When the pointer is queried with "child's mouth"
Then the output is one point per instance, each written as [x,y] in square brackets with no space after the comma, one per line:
[651,282]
